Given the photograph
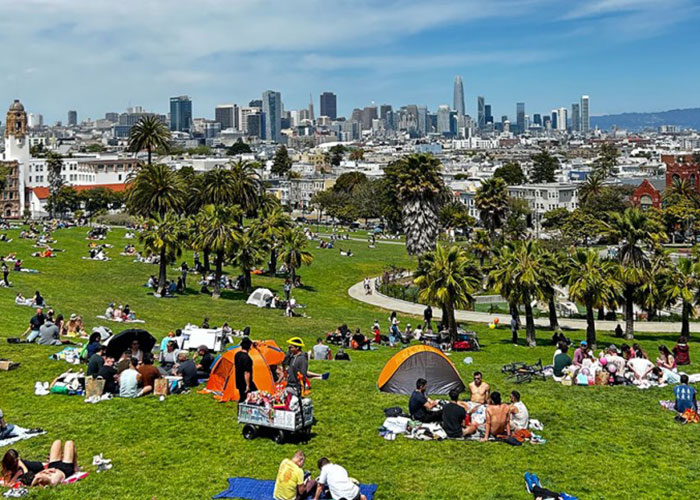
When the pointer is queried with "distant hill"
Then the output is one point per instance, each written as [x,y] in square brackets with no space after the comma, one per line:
[684,118]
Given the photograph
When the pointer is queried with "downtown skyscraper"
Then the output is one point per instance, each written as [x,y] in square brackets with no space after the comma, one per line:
[458,97]
[520,117]
[180,114]
[480,113]
[585,115]
[329,105]
[272,111]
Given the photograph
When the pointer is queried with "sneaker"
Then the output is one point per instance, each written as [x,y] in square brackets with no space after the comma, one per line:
[530,482]
[564,496]
[325,376]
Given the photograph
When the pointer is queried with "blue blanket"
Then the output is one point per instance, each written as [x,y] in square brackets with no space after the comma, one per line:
[260,489]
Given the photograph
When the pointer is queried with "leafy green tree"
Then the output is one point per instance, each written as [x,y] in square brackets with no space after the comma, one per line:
[455,215]
[54,166]
[544,167]
[683,286]
[681,192]
[592,282]
[281,163]
[323,200]
[512,173]
[515,226]
[100,199]
[604,165]
[336,154]
[502,279]
[155,190]
[421,192]
[218,230]
[164,235]
[357,154]
[247,255]
[149,133]
[591,188]
[200,150]
[248,188]
[350,182]
[269,229]
[238,148]
[367,200]
[480,245]
[65,200]
[556,218]
[637,235]
[492,202]
[95,148]
[293,251]
[448,278]
[580,226]
[610,199]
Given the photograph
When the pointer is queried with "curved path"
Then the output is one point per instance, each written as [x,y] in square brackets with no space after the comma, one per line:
[377,299]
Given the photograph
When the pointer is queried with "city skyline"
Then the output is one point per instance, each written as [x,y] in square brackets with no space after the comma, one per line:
[100,59]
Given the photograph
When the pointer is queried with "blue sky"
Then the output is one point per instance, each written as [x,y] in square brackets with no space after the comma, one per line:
[97,56]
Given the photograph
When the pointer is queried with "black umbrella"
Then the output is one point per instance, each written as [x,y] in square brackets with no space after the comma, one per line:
[122,341]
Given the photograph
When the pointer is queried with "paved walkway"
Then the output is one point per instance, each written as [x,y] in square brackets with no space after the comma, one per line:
[357,292]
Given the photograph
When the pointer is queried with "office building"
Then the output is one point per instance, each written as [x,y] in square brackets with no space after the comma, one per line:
[488,114]
[480,113]
[180,114]
[537,119]
[72,118]
[459,96]
[329,105]
[368,114]
[520,117]
[35,120]
[227,116]
[443,120]
[112,117]
[386,113]
[576,117]
[425,124]
[562,119]
[272,109]
[555,120]
[254,123]
[585,115]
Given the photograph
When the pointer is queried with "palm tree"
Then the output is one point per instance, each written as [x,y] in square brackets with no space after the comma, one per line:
[552,272]
[683,286]
[268,229]
[149,133]
[155,190]
[218,231]
[592,187]
[164,235]
[293,251]
[681,191]
[502,280]
[652,294]
[54,166]
[637,234]
[592,282]
[420,189]
[492,201]
[217,187]
[481,245]
[448,278]
[247,255]
[247,188]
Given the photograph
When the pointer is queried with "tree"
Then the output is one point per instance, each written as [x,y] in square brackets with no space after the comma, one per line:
[350,182]
[336,154]
[610,199]
[293,251]
[95,148]
[4,172]
[164,235]
[247,255]
[544,166]
[67,199]
[238,148]
[420,190]
[54,165]
[606,162]
[556,218]
[637,235]
[455,215]
[681,192]
[155,190]
[448,278]
[218,231]
[512,173]
[501,278]
[515,226]
[357,154]
[481,245]
[248,188]
[683,287]
[367,200]
[99,199]
[492,202]
[591,281]
[591,188]
[200,150]
[268,229]
[552,263]
[149,133]
[281,163]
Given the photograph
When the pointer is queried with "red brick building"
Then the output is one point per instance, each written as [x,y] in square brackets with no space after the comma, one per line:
[646,196]
[678,167]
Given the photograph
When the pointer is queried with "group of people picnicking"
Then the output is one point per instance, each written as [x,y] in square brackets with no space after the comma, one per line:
[48,328]
[485,415]
[119,313]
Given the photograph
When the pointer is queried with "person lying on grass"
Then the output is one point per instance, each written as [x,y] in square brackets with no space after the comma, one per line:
[18,470]
[61,465]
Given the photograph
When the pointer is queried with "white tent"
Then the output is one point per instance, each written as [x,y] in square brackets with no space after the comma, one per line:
[259,297]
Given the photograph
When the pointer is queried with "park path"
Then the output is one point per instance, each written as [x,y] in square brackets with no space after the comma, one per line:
[357,292]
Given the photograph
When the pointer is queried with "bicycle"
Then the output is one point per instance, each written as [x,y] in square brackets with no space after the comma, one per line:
[521,373]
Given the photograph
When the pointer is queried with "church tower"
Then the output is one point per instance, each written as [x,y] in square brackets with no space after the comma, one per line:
[16,140]
[16,162]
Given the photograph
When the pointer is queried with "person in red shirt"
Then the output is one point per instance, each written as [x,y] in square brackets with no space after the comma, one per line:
[681,351]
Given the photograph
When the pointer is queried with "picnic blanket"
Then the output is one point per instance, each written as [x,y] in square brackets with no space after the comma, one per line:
[20,434]
[260,489]
[121,320]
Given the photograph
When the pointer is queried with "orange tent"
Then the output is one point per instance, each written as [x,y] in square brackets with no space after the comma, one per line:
[222,381]
[400,373]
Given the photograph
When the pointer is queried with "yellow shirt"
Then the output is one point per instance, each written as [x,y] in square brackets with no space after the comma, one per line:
[289,477]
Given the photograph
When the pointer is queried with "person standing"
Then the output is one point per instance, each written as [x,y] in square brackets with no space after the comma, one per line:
[287,289]
[244,370]
[427,317]
[514,329]
[5,274]
[297,371]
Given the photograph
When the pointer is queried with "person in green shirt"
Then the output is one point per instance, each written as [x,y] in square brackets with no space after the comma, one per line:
[290,483]
[561,361]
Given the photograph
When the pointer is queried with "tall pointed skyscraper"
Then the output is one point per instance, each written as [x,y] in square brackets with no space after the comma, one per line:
[311,108]
[459,97]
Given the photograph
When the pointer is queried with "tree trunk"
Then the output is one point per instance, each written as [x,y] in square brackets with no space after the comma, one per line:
[248,280]
[205,260]
[148,148]
[685,329]
[515,313]
[272,266]
[529,324]
[629,312]
[451,321]
[553,321]
[590,326]
[293,275]
[217,274]
[601,313]
[162,271]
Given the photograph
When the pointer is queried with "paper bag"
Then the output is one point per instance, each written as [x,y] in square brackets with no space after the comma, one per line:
[94,387]
[160,387]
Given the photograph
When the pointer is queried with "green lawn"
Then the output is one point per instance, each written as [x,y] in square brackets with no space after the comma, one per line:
[602,442]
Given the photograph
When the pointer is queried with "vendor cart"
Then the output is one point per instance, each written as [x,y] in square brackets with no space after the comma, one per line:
[280,423]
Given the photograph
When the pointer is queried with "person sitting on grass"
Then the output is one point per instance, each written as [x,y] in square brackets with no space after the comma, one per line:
[129,380]
[639,352]
[580,353]
[49,334]
[96,362]
[93,344]
[420,407]
[341,355]
[479,392]
[641,368]
[681,351]
[338,482]
[108,373]
[666,377]
[320,351]
[6,430]
[561,361]
[497,422]
[290,483]
[61,465]
[686,396]
[205,362]
[666,359]
[454,417]
[149,374]
[18,470]
[168,357]
[519,415]
[34,328]
[186,369]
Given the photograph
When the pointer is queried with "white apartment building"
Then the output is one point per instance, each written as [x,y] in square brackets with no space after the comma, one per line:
[545,197]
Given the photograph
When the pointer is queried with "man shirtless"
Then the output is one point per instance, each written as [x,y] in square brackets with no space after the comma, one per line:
[479,393]
[497,420]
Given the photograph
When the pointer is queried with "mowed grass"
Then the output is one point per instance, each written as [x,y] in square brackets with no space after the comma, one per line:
[601,442]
